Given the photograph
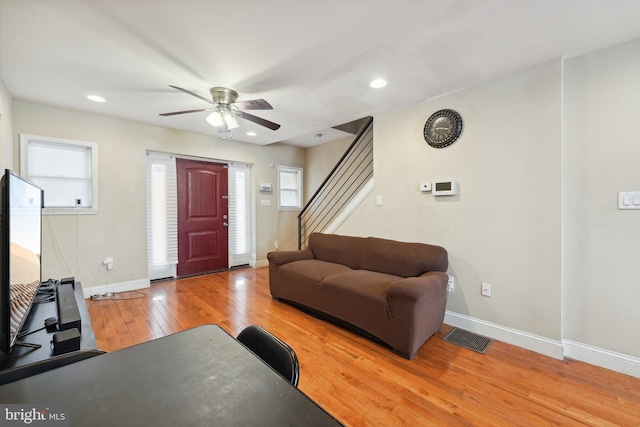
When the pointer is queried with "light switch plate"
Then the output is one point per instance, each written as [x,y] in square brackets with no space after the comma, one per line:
[629,200]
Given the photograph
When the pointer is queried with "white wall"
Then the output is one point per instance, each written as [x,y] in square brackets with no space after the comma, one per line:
[6,129]
[77,245]
[601,157]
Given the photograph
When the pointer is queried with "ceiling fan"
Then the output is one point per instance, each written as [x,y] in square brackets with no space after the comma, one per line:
[226,109]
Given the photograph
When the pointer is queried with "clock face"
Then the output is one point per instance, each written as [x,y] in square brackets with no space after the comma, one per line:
[443,128]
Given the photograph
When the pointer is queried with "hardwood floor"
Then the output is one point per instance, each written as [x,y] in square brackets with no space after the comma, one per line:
[364,384]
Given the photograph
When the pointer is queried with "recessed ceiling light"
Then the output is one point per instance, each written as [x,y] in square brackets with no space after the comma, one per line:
[251,134]
[96,98]
[378,83]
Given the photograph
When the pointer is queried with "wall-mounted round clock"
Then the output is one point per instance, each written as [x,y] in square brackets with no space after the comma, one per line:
[443,128]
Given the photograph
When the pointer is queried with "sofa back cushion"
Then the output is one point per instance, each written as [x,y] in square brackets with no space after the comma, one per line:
[381,255]
[403,259]
[343,250]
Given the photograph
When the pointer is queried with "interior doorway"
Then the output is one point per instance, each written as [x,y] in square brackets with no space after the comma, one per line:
[203,217]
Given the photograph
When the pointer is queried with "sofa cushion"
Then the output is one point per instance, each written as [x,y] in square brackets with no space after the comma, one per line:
[362,283]
[402,259]
[312,270]
[360,296]
[380,255]
[344,250]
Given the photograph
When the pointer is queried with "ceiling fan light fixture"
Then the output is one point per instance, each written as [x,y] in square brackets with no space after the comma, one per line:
[222,119]
[231,121]
[215,119]
[225,111]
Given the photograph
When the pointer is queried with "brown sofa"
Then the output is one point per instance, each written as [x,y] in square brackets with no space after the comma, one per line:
[393,291]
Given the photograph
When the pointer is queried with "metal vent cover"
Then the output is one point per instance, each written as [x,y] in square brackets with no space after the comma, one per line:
[468,340]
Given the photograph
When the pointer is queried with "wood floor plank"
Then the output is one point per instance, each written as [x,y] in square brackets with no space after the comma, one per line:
[363,383]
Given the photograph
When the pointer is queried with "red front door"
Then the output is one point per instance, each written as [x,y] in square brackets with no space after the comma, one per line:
[203,211]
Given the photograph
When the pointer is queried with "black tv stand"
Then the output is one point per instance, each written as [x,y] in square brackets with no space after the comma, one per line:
[23,355]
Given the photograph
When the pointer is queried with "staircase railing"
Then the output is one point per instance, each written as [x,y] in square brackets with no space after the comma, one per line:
[346,179]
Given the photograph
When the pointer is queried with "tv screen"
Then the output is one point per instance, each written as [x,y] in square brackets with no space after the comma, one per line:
[20,250]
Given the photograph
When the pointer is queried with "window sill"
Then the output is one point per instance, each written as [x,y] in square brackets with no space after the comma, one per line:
[69,211]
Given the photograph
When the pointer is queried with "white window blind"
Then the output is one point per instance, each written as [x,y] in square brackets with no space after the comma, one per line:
[65,170]
[239,214]
[162,213]
[289,187]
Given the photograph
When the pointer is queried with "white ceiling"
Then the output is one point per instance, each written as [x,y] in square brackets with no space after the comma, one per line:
[312,60]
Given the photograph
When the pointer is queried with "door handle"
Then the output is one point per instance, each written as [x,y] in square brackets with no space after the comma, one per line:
[225,224]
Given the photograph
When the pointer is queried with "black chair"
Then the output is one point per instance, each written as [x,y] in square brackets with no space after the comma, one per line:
[272,351]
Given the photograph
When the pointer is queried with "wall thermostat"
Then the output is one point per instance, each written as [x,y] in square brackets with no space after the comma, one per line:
[265,186]
[445,188]
[425,187]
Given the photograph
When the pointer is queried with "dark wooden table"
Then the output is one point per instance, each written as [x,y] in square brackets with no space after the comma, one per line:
[199,377]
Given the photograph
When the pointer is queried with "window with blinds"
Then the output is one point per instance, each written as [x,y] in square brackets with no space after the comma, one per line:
[162,216]
[289,187]
[239,214]
[66,170]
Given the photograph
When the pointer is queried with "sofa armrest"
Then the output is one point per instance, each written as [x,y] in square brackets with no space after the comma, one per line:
[416,307]
[415,288]
[283,257]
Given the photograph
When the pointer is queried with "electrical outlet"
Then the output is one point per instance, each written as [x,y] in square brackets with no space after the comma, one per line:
[450,283]
[486,290]
[108,262]
[276,246]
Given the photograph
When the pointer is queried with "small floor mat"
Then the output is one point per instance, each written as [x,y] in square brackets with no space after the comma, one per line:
[468,340]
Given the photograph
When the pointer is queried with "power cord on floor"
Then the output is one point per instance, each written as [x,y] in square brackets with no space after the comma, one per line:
[118,296]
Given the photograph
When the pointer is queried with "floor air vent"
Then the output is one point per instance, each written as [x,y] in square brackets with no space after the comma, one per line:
[468,340]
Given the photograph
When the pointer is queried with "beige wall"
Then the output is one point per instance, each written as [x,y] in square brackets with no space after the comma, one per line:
[504,227]
[319,162]
[602,157]
[77,245]
[6,129]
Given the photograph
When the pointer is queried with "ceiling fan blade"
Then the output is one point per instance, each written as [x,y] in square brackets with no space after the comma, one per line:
[254,104]
[184,112]
[193,94]
[260,121]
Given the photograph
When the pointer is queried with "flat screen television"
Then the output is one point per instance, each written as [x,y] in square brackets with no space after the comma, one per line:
[20,254]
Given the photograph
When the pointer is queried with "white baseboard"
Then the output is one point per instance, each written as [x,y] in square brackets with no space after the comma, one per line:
[607,359]
[259,264]
[116,287]
[515,337]
[618,362]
